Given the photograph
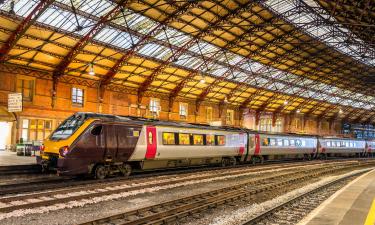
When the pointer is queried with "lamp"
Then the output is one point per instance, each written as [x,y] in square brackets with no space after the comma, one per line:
[91,72]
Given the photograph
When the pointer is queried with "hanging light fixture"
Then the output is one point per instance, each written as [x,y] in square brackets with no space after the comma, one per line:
[202,81]
[340,111]
[91,72]
[298,110]
[286,102]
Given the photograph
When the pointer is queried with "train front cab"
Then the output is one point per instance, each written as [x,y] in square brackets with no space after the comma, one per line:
[61,139]
[102,149]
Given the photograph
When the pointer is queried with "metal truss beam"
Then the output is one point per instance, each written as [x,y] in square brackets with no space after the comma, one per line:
[201,34]
[62,66]
[23,27]
[124,58]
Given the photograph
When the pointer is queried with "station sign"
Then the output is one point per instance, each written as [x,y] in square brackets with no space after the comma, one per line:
[15,102]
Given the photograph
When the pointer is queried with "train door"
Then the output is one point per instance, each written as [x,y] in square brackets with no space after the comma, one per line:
[151,142]
[111,142]
[127,141]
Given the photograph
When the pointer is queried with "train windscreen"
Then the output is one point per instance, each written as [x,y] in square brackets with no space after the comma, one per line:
[68,127]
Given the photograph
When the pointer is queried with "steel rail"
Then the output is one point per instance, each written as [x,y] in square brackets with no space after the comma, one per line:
[173,210]
[266,214]
[131,186]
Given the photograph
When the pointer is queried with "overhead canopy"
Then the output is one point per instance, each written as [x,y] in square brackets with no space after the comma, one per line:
[277,56]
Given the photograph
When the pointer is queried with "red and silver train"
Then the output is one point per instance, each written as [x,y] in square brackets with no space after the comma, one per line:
[99,144]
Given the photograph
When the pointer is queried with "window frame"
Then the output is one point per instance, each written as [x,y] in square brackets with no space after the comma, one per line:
[174,138]
[217,140]
[194,135]
[22,88]
[186,106]
[154,106]
[179,138]
[209,114]
[213,140]
[75,97]
[229,118]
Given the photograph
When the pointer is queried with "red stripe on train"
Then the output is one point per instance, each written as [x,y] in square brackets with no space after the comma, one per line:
[242,144]
[151,142]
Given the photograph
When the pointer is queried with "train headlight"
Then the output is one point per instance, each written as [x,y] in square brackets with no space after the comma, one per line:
[64,150]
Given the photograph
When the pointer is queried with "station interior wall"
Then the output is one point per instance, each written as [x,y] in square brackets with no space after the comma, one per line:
[40,108]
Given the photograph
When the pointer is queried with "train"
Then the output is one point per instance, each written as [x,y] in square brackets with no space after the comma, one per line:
[103,145]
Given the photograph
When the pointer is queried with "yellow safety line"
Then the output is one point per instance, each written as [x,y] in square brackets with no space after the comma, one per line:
[370,220]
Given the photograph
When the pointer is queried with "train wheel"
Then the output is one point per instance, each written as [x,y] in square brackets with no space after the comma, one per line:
[126,170]
[224,162]
[233,161]
[253,160]
[100,172]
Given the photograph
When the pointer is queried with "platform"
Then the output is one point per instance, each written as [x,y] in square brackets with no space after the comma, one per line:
[352,205]
[8,158]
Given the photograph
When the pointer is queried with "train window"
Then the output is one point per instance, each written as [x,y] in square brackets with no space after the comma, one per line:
[303,142]
[272,142]
[197,139]
[334,144]
[220,139]
[183,139]
[279,142]
[286,142]
[298,142]
[328,144]
[96,131]
[210,139]
[265,142]
[168,139]
[292,142]
[135,133]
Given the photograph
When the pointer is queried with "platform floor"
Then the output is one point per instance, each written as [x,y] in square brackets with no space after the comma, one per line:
[8,158]
[352,205]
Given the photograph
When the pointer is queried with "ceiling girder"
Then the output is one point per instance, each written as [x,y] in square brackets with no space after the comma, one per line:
[176,54]
[23,27]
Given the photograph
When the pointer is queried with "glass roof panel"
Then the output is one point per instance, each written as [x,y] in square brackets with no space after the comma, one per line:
[139,25]
[298,14]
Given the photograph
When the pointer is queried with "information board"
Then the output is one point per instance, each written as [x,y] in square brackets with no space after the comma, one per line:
[15,102]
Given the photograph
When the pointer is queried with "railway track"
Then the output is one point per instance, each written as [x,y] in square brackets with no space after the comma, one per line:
[11,203]
[15,185]
[296,208]
[167,212]
[20,169]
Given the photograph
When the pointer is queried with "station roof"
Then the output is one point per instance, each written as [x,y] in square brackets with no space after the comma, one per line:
[310,57]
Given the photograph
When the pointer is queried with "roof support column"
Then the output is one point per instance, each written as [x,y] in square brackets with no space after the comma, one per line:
[55,82]
[257,118]
[222,113]
[319,125]
[274,118]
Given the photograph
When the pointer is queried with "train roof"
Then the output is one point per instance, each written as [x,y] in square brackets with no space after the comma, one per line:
[156,122]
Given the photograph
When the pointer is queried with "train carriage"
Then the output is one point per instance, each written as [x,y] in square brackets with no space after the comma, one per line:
[275,146]
[163,146]
[341,147]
